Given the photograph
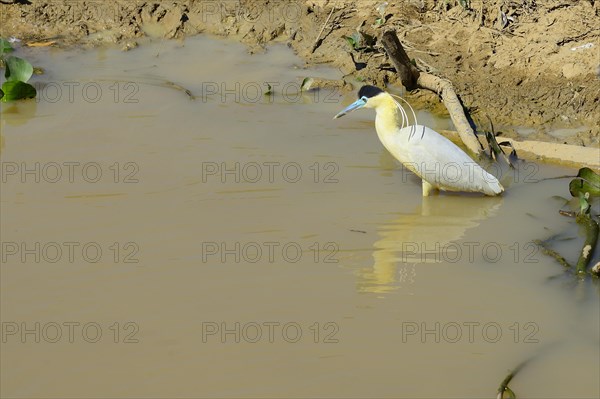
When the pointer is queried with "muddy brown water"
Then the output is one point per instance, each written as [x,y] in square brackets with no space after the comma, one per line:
[241,245]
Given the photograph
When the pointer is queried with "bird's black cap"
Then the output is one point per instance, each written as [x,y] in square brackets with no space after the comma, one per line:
[369,91]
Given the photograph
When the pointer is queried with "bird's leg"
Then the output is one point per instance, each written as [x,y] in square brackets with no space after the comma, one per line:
[428,189]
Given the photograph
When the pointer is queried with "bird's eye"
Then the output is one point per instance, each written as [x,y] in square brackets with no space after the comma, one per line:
[364,98]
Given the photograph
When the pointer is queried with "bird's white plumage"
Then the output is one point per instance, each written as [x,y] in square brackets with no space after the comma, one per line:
[440,163]
[437,160]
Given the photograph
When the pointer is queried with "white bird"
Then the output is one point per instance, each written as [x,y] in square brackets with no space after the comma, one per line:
[440,163]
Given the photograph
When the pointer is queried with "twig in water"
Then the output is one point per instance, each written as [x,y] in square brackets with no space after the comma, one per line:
[504,389]
[552,253]
[570,214]
[591,239]
[553,178]
[180,88]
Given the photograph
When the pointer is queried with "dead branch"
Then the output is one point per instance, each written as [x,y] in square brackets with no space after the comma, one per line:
[412,79]
[409,74]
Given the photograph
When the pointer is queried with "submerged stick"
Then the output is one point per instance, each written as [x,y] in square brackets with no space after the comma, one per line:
[595,270]
[412,78]
[504,388]
[180,88]
[160,83]
[552,253]
[591,239]
[592,230]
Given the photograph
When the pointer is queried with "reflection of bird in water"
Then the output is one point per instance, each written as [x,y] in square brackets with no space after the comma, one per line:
[440,163]
[425,236]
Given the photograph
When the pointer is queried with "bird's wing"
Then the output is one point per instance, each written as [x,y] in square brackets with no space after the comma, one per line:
[440,162]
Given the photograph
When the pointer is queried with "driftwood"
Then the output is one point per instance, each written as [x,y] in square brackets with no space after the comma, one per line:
[409,74]
[412,79]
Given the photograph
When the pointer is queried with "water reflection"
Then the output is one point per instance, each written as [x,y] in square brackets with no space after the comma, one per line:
[171,292]
[18,113]
[423,236]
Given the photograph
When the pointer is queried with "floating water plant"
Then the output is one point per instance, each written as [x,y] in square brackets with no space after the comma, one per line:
[17,72]
[586,187]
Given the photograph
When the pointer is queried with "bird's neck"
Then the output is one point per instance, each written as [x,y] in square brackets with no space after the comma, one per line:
[388,119]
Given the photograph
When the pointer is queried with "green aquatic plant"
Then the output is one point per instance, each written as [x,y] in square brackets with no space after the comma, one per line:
[587,182]
[591,239]
[16,90]
[585,187]
[306,84]
[17,72]
[504,391]
[5,47]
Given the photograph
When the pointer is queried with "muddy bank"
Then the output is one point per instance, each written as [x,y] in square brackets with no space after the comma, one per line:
[531,66]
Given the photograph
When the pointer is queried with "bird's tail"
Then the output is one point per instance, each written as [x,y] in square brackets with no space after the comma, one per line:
[493,186]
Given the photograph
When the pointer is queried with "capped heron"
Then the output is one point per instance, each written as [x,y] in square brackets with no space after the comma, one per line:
[440,163]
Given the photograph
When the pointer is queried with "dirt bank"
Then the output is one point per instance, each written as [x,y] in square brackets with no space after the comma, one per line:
[531,64]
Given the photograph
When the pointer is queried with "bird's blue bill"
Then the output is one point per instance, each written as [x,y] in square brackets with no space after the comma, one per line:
[355,105]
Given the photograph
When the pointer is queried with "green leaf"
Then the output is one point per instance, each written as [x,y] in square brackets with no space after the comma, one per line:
[16,90]
[587,181]
[589,175]
[306,84]
[355,40]
[584,205]
[5,46]
[350,41]
[18,69]
[1,94]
